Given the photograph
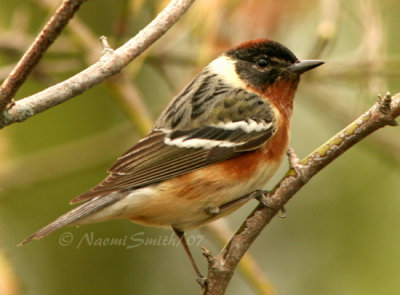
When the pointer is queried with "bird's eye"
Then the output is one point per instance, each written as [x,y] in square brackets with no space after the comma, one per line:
[262,62]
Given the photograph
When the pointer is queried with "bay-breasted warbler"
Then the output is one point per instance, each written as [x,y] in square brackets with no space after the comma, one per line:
[222,137]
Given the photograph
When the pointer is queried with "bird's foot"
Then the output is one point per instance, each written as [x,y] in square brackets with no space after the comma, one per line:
[263,197]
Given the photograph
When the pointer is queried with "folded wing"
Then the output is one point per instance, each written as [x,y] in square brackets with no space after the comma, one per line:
[165,154]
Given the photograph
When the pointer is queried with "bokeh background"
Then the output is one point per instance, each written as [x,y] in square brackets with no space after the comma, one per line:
[341,233]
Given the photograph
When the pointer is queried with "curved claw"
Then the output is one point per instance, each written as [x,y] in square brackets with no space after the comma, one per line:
[262,197]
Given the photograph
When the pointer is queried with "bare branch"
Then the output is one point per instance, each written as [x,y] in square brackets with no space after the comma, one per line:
[248,266]
[32,56]
[221,268]
[324,99]
[109,64]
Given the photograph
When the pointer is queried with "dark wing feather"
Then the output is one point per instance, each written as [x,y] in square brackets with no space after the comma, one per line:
[152,160]
[206,123]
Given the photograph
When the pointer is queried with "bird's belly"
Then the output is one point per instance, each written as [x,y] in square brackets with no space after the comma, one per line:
[184,202]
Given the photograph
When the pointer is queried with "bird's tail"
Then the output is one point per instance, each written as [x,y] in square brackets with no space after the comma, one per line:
[90,207]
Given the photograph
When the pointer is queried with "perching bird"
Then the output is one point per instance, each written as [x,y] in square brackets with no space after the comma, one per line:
[222,137]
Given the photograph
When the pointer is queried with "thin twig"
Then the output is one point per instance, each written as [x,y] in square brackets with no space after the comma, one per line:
[326,102]
[32,56]
[221,268]
[111,63]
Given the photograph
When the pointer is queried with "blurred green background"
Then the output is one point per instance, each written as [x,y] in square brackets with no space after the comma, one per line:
[341,233]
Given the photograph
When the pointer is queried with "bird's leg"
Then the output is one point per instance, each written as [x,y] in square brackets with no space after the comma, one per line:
[229,205]
[261,196]
[200,278]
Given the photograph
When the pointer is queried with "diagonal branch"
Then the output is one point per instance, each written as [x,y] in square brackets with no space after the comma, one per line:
[32,56]
[221,268]
[111,63]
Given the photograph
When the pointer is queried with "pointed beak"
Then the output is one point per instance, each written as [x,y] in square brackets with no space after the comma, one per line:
[302,66]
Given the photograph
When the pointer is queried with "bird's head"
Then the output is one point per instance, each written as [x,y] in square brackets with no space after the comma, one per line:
[265,67]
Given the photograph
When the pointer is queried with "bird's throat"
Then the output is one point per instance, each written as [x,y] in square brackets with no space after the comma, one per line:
[281,94]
